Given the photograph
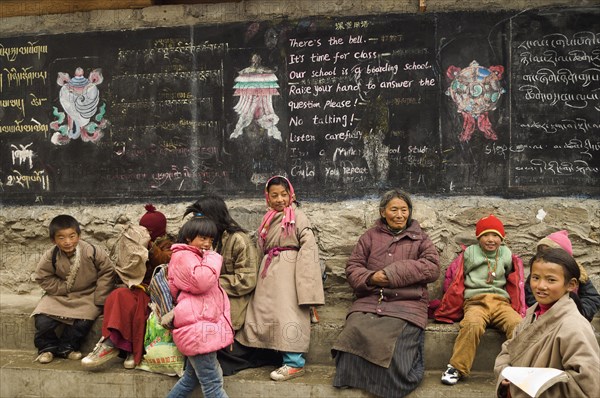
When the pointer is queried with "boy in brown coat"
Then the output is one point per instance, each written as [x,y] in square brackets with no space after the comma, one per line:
[76,278]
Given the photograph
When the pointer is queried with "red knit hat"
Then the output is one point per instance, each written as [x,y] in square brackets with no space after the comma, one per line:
[559,239]
[489,224]
[154,221]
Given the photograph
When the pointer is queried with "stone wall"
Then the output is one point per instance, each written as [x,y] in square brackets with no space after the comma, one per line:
[449,221]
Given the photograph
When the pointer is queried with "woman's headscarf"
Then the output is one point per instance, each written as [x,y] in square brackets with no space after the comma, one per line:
[288,222]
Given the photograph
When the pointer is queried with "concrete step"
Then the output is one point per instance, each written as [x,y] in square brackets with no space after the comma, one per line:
[17,331]
[20,377]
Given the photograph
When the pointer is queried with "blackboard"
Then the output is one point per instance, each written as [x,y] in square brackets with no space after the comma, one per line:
[487,103]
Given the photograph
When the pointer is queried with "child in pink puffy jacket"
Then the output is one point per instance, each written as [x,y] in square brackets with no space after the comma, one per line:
[201,316]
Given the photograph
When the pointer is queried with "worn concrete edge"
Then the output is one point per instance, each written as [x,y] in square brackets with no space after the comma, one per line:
[20,376]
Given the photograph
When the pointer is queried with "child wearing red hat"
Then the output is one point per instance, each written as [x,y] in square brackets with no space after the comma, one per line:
[487,289]
[126,308]
[154,221]
[586,293]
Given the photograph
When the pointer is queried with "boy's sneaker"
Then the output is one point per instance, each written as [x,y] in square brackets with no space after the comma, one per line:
[129,362]
[286,372]
[45,357]
[451,376]
[102,353]
[74,355]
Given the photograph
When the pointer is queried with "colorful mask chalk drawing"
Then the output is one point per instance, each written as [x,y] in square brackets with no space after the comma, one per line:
[476,91]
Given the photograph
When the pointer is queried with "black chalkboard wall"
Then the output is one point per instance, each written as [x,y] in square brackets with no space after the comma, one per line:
[454,103]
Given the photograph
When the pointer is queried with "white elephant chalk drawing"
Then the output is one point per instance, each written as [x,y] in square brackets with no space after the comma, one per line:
[79,97]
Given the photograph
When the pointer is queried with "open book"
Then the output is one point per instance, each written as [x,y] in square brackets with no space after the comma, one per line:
[534,381]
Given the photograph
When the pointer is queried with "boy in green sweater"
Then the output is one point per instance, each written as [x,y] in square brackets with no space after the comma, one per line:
[486,301]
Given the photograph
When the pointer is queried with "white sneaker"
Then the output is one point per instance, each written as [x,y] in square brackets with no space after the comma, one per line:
[102,353]
[45,357]
[74,355]
[286,372]
[129,362]
[451,376]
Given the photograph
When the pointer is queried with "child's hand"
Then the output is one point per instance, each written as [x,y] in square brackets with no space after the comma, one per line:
[166,321]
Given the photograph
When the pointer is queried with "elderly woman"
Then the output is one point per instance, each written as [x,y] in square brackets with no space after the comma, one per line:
[380,349]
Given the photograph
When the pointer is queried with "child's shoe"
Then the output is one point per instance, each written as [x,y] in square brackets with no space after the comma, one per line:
[45,357]
[69,354]
[74,355]
[129,362]
[102,353]
[286,372]
[451,376]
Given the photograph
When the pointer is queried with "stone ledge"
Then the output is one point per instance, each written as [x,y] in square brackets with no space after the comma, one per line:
[17,332]
[21,377]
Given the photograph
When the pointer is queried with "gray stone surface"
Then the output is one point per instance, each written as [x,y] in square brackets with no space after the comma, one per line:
[17,330]
[22,378]
[449,222]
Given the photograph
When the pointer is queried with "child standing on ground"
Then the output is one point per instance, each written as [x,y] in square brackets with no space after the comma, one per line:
[76,278]
[238,278]
[289,282]
[488,289]
[202,314]
[553,334]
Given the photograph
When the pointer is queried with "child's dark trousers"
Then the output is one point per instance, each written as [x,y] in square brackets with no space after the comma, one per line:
[70,340]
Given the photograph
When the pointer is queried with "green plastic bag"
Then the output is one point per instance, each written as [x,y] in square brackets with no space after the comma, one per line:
[162,356]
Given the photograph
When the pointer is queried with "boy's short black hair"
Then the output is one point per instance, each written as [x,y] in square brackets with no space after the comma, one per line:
[63,221]
[197,226]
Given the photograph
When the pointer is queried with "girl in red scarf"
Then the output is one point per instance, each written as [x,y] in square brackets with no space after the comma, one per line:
[289,282]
